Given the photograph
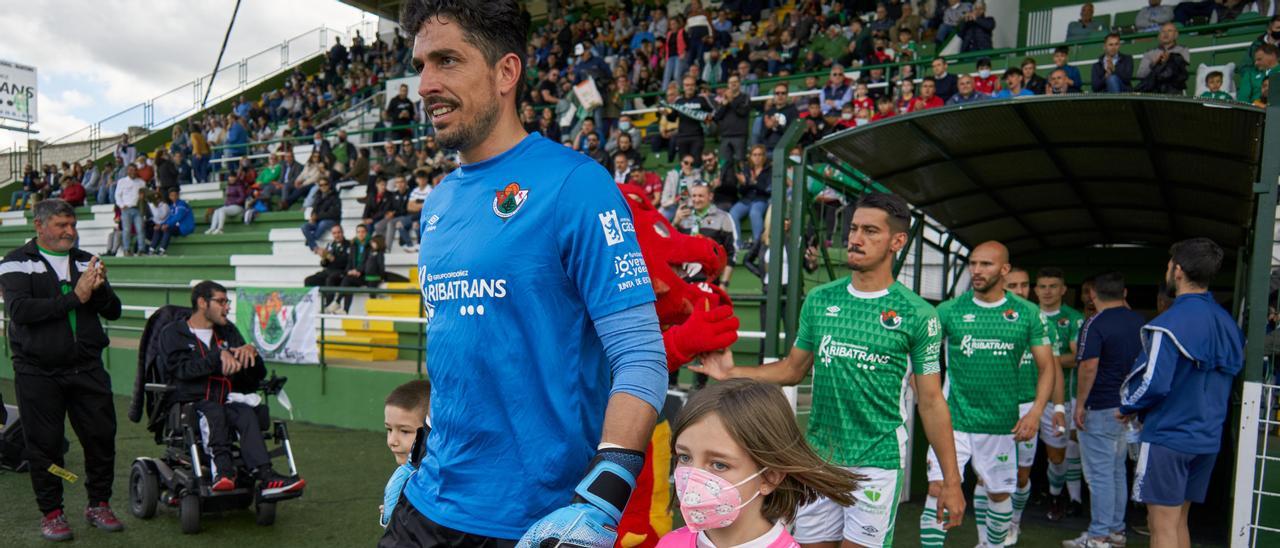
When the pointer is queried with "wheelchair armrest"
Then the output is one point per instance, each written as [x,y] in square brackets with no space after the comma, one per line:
[156,387]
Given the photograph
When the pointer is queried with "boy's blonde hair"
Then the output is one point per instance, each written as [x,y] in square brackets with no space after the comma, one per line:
[411,396]
[759,419]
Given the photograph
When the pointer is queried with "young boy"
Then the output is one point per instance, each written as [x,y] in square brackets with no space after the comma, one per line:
[986,82]
[1060,55]
[405,412]
[1214,82]
[884,109]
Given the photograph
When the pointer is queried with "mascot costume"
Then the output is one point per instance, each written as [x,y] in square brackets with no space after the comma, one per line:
[695,318]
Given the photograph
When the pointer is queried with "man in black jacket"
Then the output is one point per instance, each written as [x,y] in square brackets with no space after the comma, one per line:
[690,136]
[333,261]
[54,293]
[733,112]
[326,213]
[205,360]
[1113,72]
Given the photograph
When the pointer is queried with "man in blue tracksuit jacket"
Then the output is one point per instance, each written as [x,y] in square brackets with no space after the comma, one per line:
[1179,390]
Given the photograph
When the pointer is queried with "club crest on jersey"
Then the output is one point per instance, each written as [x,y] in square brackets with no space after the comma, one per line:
[507,202]
[1011,315]
[889,319]
[1064,322]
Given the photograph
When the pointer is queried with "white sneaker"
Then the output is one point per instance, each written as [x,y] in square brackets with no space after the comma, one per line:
[1117,540]
[1011,538]
[1085,541]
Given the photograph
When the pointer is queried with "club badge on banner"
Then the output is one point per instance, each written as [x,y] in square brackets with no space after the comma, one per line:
[280,322]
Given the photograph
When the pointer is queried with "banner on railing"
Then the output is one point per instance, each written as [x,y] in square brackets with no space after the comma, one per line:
[280,322]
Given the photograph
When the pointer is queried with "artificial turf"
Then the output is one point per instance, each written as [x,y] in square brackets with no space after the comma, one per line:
[345,472]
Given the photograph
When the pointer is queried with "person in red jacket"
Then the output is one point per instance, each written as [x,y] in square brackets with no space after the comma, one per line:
[72,191]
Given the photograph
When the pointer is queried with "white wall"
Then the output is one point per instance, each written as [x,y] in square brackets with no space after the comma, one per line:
[1005,12]
[1064,15]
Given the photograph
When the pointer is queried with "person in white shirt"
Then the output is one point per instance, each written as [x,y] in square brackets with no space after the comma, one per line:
[128,196]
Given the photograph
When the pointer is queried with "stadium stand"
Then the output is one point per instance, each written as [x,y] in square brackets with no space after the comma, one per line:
[305,109]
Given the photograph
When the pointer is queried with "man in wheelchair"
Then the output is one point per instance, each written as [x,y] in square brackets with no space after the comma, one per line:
[207,362]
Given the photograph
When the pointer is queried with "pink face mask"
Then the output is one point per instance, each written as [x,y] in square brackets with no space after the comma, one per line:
[708,501]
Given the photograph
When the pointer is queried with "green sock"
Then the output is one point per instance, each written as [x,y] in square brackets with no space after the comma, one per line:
[932,535]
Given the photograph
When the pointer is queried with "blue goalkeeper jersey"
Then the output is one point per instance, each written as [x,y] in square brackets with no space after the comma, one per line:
[519,254]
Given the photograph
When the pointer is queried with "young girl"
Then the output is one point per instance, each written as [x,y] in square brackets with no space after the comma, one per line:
[743,468]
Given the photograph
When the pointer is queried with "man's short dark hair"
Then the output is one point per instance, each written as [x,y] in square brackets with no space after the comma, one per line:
[1213,74]
[1111,35]
[1200,259]
[1109,286]
[53,207]
[494,27]
[894,206]
[205,290]
[1269,49]
[929,79]
[1062,49]
[1012,72]
[411,396]
[1051,272]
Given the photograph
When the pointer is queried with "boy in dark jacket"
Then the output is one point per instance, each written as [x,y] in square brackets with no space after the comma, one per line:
[206,359]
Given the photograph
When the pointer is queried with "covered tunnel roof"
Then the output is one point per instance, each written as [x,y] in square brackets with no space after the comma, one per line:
[1041,173]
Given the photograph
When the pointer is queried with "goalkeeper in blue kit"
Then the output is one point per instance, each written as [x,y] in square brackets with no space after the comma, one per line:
[543,347]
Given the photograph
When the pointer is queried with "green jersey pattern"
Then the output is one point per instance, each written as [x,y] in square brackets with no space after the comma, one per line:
[1065,325]
[1028,373]
[984,344]
[865,347]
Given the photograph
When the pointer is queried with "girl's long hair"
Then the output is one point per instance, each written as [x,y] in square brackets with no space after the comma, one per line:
[760,420]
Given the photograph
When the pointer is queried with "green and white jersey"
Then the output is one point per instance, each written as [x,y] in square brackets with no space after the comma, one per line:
[1028,373]
[1064,326]
[865,346]
[984,343]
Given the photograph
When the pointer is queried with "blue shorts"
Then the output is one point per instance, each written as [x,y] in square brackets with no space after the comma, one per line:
[1166,477]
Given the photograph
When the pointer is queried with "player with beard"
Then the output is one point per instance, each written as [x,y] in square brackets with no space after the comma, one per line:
[985,333]
[1018,282]
[875,339]
[545,355]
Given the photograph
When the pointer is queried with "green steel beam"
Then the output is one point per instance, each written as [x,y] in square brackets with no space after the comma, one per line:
[777,201]
[1264,225]
[795,250]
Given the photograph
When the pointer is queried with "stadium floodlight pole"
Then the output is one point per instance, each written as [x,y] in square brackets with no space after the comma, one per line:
[218,64]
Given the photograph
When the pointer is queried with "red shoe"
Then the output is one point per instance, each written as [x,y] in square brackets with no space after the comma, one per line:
[223,483]
[102,517]
[53,526]
[273,484]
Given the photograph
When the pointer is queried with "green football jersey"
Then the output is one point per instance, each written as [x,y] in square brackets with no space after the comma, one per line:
[1028,373]
[865,346]
[984,344]
[1064,326]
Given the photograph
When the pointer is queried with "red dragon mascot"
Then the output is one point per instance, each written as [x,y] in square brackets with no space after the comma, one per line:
[695,318]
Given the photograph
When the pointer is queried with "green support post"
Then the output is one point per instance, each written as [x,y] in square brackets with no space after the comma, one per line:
[917,271]
[1264,226]
[794,250]
[777,201]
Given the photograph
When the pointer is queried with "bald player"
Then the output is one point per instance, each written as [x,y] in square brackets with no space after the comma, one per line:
[985,333]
